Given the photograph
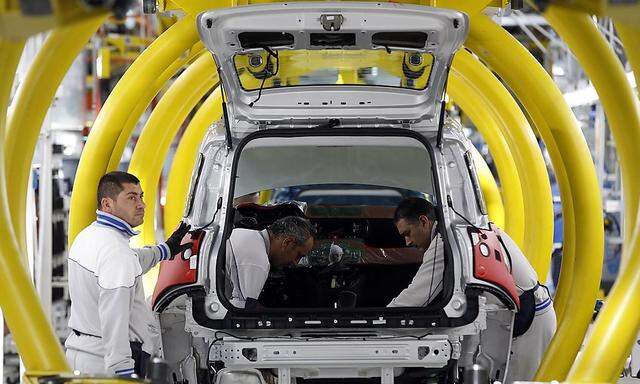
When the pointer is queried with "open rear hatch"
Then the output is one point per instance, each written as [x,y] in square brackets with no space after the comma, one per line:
[302,64]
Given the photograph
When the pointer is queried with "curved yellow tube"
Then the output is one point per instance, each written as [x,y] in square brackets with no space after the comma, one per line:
[185,157]
[30,105]
[473,105]
[614,333]
[36,342]
[114,114]
[532,172]
[489,188]
[620,104]
[145,100]
[158,133]
[568,150]
[630,36]
[616,328]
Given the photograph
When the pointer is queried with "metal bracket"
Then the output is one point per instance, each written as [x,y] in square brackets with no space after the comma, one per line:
[386,376]
[331,22]
[284,375]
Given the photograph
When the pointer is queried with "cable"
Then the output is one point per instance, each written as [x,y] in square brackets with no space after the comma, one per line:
[218,205]
[450,204]
[267,73]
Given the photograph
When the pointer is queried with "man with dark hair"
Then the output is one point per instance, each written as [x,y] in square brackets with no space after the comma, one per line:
[415,220]
[250,255]
[534,324]
[109,317]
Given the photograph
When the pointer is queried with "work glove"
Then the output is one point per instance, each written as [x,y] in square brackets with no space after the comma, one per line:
[173,242]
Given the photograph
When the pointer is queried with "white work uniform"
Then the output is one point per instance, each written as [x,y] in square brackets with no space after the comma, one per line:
[527,350]
[247,264]
[428,281]
[108,309]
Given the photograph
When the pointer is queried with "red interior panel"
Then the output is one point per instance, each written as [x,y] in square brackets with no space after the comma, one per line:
[177,272]
[489,262]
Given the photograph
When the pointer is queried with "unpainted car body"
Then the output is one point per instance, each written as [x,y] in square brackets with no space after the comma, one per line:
[375,135]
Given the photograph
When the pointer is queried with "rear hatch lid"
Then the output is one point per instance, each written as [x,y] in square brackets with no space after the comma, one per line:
[302,64]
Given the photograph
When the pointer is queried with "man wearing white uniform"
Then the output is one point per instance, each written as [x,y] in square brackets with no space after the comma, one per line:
[415,220]
[250,255]
[109,317]
[535,323]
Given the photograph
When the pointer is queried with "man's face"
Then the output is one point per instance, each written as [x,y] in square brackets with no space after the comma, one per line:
[291,253]
[128,205]
[416,233]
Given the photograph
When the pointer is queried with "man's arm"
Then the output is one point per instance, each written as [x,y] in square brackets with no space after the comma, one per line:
[150,256]
[427,282]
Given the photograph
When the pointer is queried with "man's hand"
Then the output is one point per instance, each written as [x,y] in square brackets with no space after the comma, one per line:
[173,242]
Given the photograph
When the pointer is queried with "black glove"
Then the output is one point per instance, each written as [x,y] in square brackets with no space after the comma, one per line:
[173,242]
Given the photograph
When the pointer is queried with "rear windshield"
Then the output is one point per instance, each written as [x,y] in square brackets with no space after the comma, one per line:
[348,188]
[286,68]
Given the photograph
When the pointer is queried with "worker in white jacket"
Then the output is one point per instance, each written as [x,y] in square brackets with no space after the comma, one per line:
[535,323]
[109,317]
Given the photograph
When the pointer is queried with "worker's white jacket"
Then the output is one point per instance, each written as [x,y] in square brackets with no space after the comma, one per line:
[427,283]
[247,264]
[107,298]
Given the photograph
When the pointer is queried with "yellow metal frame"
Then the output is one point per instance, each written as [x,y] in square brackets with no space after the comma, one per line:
[114,114]
[476,107]
[34,338]
[568,150]
[145,100]
[185,157]
[30,107]
[533,88]
[618,100]
[158,133]
[610,342]
[514,127]
[15,24]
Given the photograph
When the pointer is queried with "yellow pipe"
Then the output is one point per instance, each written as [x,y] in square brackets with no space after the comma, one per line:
[29,108]
[158,133]
[37,344]
[145,100]
[113,116]
[156,138]
[532,172]
[185,157]
[630,36]
[610,342]
[489,188]
[567,270]
[618,100]
[616,328]
[568,150]
[472,103]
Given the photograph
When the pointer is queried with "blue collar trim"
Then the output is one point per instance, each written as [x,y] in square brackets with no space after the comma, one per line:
[115,222]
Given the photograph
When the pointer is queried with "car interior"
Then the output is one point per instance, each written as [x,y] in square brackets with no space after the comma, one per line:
[359,260]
